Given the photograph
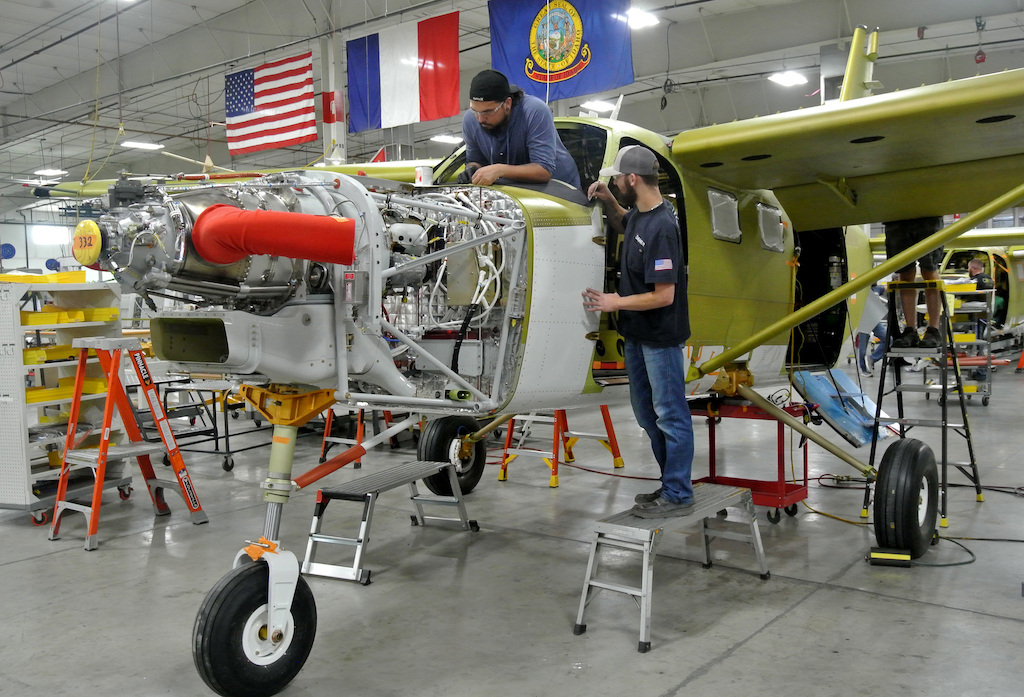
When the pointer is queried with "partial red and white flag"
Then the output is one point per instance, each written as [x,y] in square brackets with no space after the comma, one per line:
[271,106]
[381,156]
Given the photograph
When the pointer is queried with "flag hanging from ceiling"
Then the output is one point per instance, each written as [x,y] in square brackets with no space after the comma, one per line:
[271,106]
[555,49]
[404,74]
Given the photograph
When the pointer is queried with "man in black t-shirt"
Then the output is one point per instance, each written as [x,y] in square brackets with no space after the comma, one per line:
[653,321]
[976,270]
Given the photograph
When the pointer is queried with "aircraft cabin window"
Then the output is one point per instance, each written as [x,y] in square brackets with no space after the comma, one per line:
[725,216]
[769,221]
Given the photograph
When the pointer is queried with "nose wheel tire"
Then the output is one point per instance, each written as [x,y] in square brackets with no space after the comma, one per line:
[906,497]
[231,648]
[442,442]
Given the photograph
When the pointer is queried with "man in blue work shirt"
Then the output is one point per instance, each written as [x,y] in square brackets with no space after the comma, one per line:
[654,321]
[512,135]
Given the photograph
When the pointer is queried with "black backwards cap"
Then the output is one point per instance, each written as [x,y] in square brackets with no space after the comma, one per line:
[490,86]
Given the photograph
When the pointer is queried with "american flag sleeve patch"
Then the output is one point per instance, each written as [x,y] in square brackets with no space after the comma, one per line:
[662,264]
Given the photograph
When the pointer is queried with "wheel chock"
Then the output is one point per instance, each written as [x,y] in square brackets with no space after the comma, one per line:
[884,556]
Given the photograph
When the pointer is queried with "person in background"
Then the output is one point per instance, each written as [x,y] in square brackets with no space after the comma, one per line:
[976,270]
[871,322]
[511,135]
[982,281]
[900,235]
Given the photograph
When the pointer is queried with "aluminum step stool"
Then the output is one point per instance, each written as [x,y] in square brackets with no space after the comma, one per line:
[366,489]
[626,531]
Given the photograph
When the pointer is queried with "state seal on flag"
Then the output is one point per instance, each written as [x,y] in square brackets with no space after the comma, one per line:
[557,51]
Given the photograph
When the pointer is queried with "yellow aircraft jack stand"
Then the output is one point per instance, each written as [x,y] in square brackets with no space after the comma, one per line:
[562,437]
[269,603]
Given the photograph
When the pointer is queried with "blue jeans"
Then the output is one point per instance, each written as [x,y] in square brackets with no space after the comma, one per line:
[657,388]
[862,346]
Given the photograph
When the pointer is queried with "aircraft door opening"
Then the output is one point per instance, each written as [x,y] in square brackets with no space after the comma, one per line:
[823,268]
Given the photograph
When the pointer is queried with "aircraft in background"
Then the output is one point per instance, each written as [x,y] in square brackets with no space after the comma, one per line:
[1001,250]
[464,302]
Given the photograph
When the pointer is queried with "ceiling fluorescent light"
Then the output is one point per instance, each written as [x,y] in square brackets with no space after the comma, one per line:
[788,78]
[49,173]
[141,145]
[446,138]
[638,19]
[597,105]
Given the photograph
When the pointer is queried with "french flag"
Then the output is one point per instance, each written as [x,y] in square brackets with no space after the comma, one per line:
[404,74]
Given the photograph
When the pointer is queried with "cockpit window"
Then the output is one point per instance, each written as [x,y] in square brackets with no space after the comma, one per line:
[958,260]
[586,144]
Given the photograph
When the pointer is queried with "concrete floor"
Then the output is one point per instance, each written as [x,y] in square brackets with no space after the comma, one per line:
[455,613]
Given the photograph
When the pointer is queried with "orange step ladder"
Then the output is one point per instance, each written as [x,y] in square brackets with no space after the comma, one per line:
[108,350]
[562,438]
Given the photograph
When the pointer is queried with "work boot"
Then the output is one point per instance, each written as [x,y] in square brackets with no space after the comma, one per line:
[908,339]
[931,338]
[662,508]
[647,498]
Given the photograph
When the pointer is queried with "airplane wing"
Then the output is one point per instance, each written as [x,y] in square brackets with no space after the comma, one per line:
[932,150]
[995,237]
[399,170]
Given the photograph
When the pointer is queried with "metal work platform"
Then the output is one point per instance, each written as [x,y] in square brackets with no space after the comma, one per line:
[627,531]
[366,489]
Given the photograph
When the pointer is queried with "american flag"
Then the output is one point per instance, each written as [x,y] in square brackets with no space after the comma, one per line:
[270,106]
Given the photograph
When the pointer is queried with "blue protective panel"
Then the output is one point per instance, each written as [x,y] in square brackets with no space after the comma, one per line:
[846,409]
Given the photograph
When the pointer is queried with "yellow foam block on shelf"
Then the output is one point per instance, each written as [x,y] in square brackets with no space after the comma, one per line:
[970,388]
[51,314]
[64,352]
[966,336]
[100,314]
[46,394]
[89,386]
[33,356]
[59,277]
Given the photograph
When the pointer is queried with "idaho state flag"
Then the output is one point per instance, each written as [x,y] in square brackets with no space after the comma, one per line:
[561,48]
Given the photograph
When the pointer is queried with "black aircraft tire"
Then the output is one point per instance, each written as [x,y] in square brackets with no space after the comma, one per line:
[907,481]
[220,648]
[439,443]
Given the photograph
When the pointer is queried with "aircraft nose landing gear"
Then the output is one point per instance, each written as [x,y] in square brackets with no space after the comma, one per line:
[255,629]
[235,650]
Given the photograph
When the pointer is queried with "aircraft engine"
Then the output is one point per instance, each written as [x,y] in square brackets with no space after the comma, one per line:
[323,279]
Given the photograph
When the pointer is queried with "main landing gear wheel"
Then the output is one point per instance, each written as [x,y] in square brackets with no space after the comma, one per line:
[442,442]
[906,497]
[230,646]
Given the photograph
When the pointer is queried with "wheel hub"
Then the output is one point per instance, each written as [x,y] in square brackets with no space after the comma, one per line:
[922,503]
[256,646]
[456,455]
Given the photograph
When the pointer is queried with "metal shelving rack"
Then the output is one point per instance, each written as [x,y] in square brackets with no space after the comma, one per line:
[28,471]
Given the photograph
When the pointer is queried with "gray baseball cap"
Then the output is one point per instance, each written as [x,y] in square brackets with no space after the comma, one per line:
[632,159]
